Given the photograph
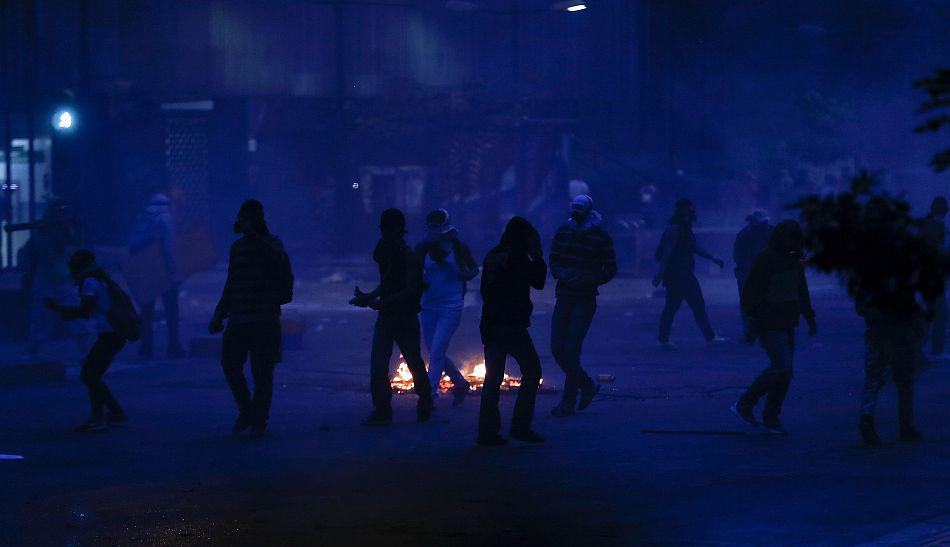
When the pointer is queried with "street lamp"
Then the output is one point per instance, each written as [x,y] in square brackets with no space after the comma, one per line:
[64,120]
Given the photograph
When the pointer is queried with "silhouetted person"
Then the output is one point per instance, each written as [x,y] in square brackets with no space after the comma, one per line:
[509,272]
[677,272]
[156,225]
[750,241]
[894,340]
[774,296]
[447,265]
[934,232]
[259,281]
[97,301]
[397,301]
[582,259]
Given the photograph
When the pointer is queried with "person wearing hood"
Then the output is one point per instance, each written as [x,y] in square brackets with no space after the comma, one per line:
[750,241]
[397,299]
[934,231]
[156,225]
[95,303]
[447,265]
[676,254]
[509,272]
[774,297]
[259,281]
[582,259]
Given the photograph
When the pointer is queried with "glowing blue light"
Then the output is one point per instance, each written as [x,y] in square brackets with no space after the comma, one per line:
[63,120]
[577,7]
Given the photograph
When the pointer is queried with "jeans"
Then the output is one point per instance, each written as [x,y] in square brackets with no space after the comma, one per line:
[260,341]
[94,367]
[402,330]
[774,381]
[438,327]
[679,288]
[519,345]
[170,303]
[569,325]
[892,351]
[937,331]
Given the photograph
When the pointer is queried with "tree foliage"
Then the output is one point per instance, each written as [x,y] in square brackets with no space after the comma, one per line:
[937,107]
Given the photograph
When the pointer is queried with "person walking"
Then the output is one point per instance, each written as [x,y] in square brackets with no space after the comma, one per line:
[677,272]
[509,272]
[260,280]
[774,296]
[934,232]
[397,300]
[750,242]
[448,265]
[582,259]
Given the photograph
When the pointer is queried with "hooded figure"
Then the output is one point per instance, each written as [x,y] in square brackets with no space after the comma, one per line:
[397,300]
[259,281]
[582,259]
[156,225]
[750,241]
[509,272]
[774,297]
[447,265]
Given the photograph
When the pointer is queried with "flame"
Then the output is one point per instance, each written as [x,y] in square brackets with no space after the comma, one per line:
[402,380]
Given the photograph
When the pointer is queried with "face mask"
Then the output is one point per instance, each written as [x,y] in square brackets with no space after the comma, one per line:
[578,217]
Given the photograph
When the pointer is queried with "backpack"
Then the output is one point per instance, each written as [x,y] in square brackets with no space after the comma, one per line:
[122,315]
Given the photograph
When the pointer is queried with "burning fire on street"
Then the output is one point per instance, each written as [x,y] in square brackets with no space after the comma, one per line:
[402,379]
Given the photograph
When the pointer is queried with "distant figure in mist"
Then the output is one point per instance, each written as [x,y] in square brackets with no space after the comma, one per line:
[934,231]
[774,296]
[259,281]
[99,300]
[448,265]
[46,275]
[677,272]
[510,271]
[582,259]
[156,225]
[397,300]
[750,242]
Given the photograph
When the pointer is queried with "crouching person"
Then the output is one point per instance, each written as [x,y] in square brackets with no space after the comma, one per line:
[116,322]
[259,281]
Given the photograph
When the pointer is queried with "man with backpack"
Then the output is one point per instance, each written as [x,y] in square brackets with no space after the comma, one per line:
[259,281]
[677,272]
[116,322]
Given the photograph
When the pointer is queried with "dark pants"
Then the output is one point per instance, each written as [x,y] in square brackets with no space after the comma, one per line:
[519,345]
[94,367]
[892,351]
[569,325]
[679,288]
[774,381]
[170,303]
[260,341]
[746,321]
[937,330]
[403,331]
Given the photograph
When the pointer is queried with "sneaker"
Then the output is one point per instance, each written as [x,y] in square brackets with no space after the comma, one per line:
[526,435]
[424,410]
[868,434]
[587,395]
[562,410]
[241,424]
[113,418]
[491,440]
[92,425]
[376,418]
[258,429]
[776,428]
[745,414]
[911,435]
[459,393]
